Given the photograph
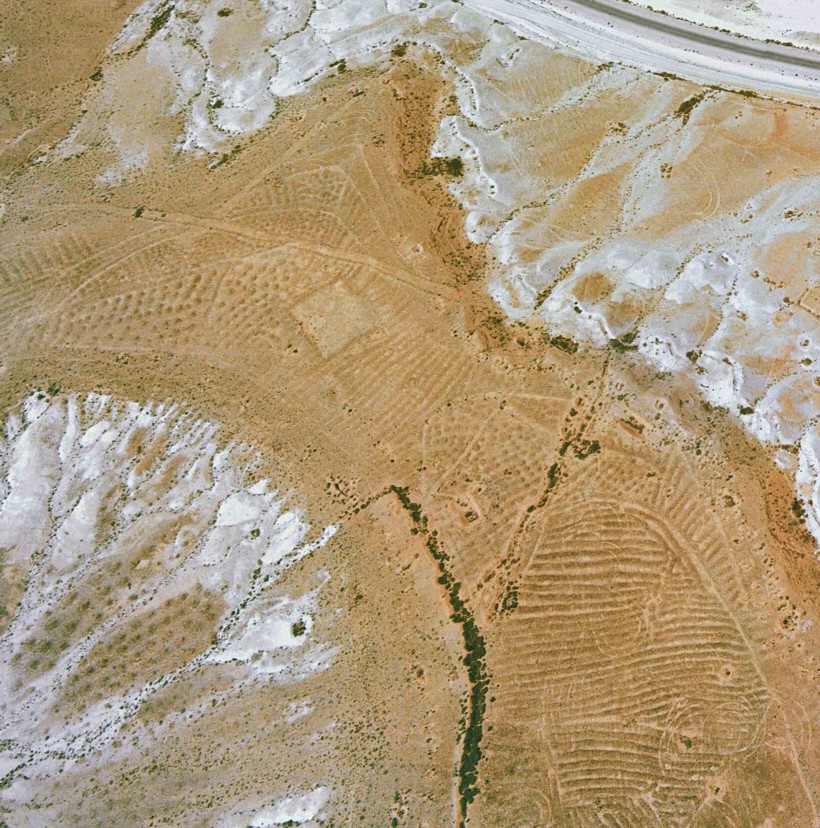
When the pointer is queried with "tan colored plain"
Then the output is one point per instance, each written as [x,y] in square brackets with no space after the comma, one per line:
[316,295]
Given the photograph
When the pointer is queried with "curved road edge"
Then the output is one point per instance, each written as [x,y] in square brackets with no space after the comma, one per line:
[613,30]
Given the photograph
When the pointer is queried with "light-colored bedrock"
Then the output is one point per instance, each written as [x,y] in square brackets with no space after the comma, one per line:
[610,213]
[142,555]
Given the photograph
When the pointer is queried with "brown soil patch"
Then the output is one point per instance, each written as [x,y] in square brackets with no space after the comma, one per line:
[315,293]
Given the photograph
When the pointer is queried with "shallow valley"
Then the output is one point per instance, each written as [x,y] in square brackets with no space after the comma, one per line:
[530,576]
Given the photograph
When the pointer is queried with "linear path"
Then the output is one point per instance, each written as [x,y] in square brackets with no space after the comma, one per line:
[623,32]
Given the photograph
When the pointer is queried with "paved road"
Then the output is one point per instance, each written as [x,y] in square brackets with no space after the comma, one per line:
[684,29]
[621,31]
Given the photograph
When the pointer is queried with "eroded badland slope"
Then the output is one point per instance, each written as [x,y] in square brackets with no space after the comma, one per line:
[557,587]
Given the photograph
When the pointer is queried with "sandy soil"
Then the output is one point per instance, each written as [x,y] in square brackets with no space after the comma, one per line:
[563,590]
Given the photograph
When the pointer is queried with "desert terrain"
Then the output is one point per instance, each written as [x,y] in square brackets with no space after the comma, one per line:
[406,422]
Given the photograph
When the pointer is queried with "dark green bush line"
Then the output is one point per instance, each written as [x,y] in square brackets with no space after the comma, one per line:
[509,603]
[564,343]
[575,440]
[160,19]
[622,346]
[158,22]
[475,652]
[453,167]
[687,107]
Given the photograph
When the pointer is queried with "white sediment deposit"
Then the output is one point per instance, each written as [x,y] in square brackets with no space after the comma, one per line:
[698,293]
[700,296]
[111,515]
[292,809]
[794,21]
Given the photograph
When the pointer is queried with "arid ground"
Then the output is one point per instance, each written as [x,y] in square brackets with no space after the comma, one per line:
[523,577]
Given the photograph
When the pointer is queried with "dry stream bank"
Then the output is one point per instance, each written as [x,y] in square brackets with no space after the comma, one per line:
[563,587]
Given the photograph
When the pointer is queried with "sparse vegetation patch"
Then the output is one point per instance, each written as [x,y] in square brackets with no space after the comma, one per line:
[473,659]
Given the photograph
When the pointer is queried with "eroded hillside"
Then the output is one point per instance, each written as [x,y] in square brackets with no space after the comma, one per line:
[561,587]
